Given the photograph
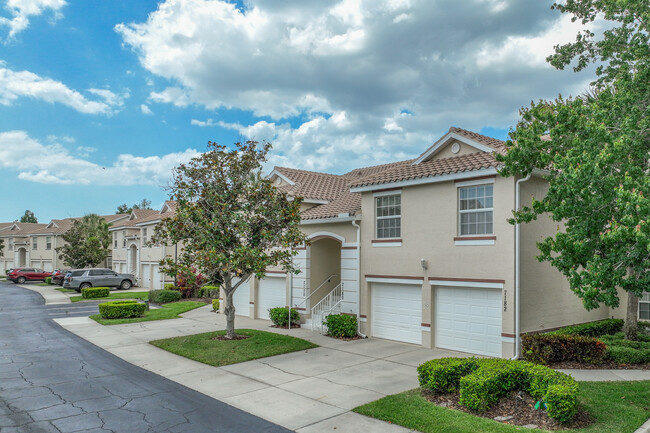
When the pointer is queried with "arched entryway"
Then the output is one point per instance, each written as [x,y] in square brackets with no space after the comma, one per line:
[132,260]
[325,267]
[21,258]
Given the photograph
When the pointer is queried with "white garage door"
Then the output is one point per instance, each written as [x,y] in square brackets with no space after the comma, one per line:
[155,275]
[47,266]
[272,293]
[242,298]
[146,276]
[468,320]
[397,312]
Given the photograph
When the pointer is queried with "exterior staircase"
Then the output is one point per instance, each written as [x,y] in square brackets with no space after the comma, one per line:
[330,304]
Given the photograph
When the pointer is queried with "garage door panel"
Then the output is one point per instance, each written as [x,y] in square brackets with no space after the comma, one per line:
[468,320]
[397,312]
[241,298]
[271,293]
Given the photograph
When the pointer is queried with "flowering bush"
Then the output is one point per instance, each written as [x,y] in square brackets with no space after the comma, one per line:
[189,281]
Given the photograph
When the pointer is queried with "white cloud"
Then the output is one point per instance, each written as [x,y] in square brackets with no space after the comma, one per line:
[330,76]
[21,10]
[57,165]
[14,85]
[145,109]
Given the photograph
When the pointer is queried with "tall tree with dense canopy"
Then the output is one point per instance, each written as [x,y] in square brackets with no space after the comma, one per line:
[29,217]
[142,204]
[87,242]
[232,222]
[596,151]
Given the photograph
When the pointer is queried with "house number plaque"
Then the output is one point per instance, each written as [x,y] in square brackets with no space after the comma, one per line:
[505,300]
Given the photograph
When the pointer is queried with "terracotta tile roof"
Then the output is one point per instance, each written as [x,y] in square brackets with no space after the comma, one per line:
[25,229]
[497,145]
[435,167]
[140,215]
[5,225]
[311,184]
[172,205]
[347,202]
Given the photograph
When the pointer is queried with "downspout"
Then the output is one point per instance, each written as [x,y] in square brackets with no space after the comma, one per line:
[518,268]
[358,227]
[290,295]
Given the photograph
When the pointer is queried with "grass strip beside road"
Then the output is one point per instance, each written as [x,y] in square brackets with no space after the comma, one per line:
[167,311]
[143,296]
[617,407]
[205,349]
[64,290]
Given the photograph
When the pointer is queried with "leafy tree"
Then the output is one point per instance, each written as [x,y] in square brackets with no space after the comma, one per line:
[596,151]
[231,221]
[29,217]
[87,242]
[143,204]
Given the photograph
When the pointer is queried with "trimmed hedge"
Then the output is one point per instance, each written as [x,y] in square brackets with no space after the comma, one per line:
[552,348]
[48,280]
[169,286]
[122,309]
[280,316]
[483,381]
[341,325]
[95,292]
[592,329]
[164,296]
[209,292]
[215,304]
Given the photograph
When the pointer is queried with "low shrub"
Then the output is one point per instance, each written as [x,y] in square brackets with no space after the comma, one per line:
[169,286]
[215,305]
[341,325]
[552,348]
[48,280]
[591,329]
[628,355]
[482,382]
[95,292]
[443,375]
[164,296]
[209,292]
[122,309]
[280,316]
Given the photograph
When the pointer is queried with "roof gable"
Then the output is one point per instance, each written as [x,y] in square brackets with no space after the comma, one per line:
[479,142]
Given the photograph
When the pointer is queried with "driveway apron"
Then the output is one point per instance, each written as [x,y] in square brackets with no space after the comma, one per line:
[53,381]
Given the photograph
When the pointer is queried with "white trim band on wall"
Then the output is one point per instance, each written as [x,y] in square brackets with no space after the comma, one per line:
[475,242]
[477,284]
[395,280]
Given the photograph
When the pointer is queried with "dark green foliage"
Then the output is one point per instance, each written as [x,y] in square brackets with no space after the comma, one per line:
[483,381]
[95,292]
[280,316]
[443,375]
[29,217]
[87,242]
[550,349]
[121,309]
[628,355]
[592,329]
[341,325]
[209,292]
[164,296]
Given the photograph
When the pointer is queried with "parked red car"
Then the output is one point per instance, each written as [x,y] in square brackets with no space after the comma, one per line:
[20,275]
[58,276]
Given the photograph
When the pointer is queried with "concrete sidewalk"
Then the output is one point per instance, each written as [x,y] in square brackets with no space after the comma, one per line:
[307,391]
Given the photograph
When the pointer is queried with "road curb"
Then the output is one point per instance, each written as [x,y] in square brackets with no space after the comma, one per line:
[645,428]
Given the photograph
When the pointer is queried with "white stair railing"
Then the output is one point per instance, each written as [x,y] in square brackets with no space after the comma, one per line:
[331,303]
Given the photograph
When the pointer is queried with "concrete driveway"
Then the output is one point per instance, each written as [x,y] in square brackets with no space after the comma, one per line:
[307,391]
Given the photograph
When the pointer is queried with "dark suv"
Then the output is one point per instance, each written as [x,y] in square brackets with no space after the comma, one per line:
[97,277]
[58,276]
[20,275]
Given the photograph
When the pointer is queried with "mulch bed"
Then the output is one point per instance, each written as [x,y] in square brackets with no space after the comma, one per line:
[518,405]
[293,325]
[356,337]
[603,366]
[237,337]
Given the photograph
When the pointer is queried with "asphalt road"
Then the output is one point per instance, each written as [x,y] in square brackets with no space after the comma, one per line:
[54,381]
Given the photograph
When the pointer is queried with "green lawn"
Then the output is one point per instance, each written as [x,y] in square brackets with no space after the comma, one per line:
[168,311]
[202,348]
[64,290]
[126,295]
[45,284]
[618,407]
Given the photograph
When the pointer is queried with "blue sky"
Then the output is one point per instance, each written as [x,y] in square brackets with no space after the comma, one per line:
[99,100]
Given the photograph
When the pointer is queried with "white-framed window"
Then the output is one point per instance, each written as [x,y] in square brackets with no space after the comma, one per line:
[388,216]
[114,239]
[124,239]
[144,237]
[644,306]
[10,245]
[48,242]
[34,243]
[475,210]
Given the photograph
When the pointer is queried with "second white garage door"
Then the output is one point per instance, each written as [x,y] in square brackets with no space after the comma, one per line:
[397,312]
[242,298]
[468,320]
[271,293]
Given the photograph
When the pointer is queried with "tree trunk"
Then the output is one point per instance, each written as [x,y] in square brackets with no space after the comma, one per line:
[229,311]
[631,320]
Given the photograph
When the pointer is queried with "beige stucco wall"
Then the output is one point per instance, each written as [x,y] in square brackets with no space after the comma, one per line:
[325,261]
[446,152]
[429,225]
[546,300]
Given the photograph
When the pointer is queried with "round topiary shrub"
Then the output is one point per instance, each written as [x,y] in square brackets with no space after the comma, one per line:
[215,305]
[122,309]
[280,316]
